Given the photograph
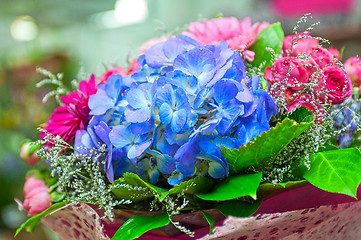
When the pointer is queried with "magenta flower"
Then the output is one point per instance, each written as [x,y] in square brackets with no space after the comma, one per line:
[239,34]
[335,84]
[74,114]
[37,197]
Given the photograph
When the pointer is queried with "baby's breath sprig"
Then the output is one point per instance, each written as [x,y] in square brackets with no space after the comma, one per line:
[80,176]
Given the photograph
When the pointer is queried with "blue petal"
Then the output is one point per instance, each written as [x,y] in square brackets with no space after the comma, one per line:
[176,178]
[137,98]
[141,129]
[179,120]
[165,113]
[154,176]
[113,86]
[79,142]
[102,131]
[99,103]
[244,95]
[137,149]
[155,56]
[224,91]
[137,115]
[165,94]
[216,170]
[186,157]
[228,142]
[174,138]
[119,136]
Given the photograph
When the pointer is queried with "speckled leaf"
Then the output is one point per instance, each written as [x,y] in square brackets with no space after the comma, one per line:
[136,226]
[264,147]
[337,171]
[234,187]
[132,187]
[271,37]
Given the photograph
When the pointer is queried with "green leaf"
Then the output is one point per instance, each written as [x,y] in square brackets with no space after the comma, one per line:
[238,208]
[271,37]
[138,225]
[32,222]
[337,171]
[196,185]
[267,190]
[300,115]
[132,187]
[264,147]
[234,187]
[210,221]
[57,196]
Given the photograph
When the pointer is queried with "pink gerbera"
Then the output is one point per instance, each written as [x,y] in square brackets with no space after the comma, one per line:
[239,34]
[74,114]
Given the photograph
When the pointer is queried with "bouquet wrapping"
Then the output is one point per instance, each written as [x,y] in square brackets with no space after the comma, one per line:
[228,120]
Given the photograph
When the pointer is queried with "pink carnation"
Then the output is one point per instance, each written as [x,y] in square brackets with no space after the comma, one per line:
[239,34]
[335,84]
[353,69]
[74,114]
[37,197]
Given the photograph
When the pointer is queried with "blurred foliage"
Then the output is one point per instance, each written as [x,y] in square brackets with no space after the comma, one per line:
[21,112]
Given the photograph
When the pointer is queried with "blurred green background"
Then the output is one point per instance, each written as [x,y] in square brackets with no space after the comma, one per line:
[65,36]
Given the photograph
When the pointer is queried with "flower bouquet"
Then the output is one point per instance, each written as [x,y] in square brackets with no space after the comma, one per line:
[225,120]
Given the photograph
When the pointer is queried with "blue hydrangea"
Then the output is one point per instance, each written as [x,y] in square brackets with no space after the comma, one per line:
[172,115]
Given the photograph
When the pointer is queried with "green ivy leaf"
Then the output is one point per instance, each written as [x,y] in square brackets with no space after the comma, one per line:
[271,37]
[234,187]
[210,221]
[32,222]
[267,190]
[264,147]
[132,187]
[337,171]
[136,226]
[238,208]
[196,185]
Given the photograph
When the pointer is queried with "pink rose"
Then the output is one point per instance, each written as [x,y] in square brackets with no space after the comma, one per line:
[300,46]
[335,84]
[353,69]
[320,57]
[28,153]
[335,53]
[304,100]
[298,73]
[37,197]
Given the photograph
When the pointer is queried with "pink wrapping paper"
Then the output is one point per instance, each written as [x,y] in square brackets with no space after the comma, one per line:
[303,213]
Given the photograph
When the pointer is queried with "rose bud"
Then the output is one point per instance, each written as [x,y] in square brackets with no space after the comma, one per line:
[37,197]
[28,153]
